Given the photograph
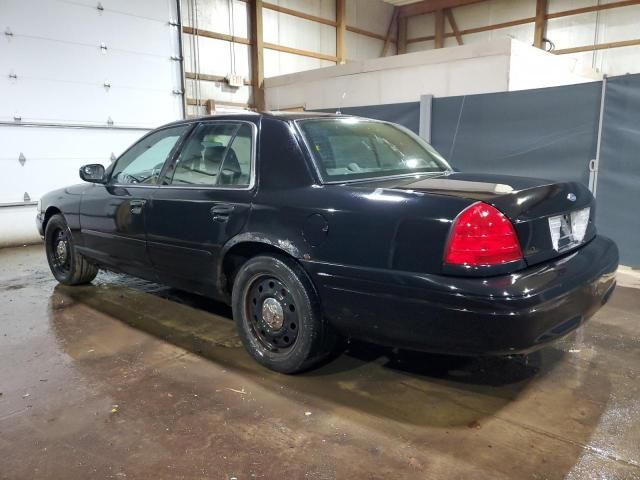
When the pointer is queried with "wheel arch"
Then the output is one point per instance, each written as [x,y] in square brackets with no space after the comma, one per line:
[245,246]
[49,212]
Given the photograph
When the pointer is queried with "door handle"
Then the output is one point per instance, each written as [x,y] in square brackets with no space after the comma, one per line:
[220,213]
[135,206]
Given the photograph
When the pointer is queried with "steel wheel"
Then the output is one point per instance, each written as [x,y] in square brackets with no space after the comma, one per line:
[272,311]
[67,265]
[60,252]
[278,314]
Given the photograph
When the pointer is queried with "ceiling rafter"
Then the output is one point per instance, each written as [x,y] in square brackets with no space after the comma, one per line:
[427,6]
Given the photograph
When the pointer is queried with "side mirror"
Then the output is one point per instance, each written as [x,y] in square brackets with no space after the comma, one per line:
[93,173]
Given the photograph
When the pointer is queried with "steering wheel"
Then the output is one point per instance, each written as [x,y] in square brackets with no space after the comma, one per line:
[127,178]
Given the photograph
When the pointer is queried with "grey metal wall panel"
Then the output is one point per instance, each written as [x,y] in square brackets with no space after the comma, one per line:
[406,114]
[619,173]
[547,133]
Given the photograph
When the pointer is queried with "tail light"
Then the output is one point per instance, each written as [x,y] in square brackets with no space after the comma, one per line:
[482,235]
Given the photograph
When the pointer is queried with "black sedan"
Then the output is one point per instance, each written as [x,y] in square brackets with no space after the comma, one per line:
[318,227]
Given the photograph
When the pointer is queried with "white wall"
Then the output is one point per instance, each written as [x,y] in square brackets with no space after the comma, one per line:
[214,56]
[565,32]
[534,68]
[54,52]
[492,66]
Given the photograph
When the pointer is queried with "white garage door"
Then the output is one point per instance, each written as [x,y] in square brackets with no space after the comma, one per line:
[81,80]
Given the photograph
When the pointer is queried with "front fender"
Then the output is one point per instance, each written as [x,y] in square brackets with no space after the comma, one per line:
[65,200]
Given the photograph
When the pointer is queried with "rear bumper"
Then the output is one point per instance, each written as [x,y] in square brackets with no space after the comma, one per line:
[508,314]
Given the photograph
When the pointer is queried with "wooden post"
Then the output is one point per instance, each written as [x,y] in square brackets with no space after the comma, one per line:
[541,23]
[439,19]
[387,39]
[402,35]
[454,26]
[341,31]
[257,57]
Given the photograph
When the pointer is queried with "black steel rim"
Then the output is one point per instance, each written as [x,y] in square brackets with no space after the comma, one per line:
[60,252]
[267,294]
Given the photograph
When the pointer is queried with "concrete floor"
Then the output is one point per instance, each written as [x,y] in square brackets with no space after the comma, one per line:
[127,379]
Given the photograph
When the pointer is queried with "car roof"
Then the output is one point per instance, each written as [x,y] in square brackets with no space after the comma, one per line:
[252,116]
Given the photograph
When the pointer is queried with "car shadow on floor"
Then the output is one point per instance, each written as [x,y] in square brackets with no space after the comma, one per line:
[409,387]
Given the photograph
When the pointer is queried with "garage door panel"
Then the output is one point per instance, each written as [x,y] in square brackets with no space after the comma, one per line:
[89,26]
[64,142]
[70,62]
[53,156]
[82,103]
[159,10]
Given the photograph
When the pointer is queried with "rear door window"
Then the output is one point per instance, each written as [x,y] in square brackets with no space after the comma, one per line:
[216,154]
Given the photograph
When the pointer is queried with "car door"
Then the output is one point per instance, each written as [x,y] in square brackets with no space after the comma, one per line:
[112,215]
[203,200]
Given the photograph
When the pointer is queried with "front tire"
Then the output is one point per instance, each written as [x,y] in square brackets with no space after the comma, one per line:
[278,316]
[66,264]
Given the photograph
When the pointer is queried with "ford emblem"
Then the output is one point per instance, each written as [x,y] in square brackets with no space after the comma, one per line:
[571,197]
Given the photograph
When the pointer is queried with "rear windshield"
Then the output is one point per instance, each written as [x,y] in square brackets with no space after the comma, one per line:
[353,149]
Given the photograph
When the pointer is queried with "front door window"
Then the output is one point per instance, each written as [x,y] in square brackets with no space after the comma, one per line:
[143,162]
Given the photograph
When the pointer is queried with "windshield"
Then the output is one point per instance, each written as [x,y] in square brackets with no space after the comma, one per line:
[354,148]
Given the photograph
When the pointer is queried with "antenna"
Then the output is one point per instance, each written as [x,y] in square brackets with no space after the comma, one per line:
[344,95]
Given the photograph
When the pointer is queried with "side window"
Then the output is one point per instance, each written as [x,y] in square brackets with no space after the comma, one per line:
[144,161]
[236,168]
[216,154]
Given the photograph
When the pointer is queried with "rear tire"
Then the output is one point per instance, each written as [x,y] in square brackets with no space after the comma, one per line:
[278,316]
[66,264]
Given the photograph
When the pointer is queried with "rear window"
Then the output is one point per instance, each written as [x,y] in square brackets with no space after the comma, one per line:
[352,149]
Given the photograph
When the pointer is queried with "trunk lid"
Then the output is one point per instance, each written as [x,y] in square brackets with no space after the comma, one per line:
[548,216]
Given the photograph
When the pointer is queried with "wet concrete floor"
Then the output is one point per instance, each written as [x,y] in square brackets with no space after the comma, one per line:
[128,379]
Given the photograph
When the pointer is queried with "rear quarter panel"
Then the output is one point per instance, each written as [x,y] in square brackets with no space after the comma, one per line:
[360,227]
[343,224]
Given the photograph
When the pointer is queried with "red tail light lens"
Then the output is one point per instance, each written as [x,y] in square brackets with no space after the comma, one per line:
[482,235]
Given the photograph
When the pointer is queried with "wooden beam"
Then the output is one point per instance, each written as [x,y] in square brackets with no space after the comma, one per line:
[549,16]
[541,23]
[594,8]
[428,6]
[387,38]
[257,53]
[297,51]
[402,34]
[497,26]
[439,28]
[341,31]
[486,28]
[599,46]
[216,35]
[367,33]
[209,78]
[299,14]
[270,46]
[210,103]
[454,26]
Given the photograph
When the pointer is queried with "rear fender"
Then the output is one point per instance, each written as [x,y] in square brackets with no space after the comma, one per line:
[260,243]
